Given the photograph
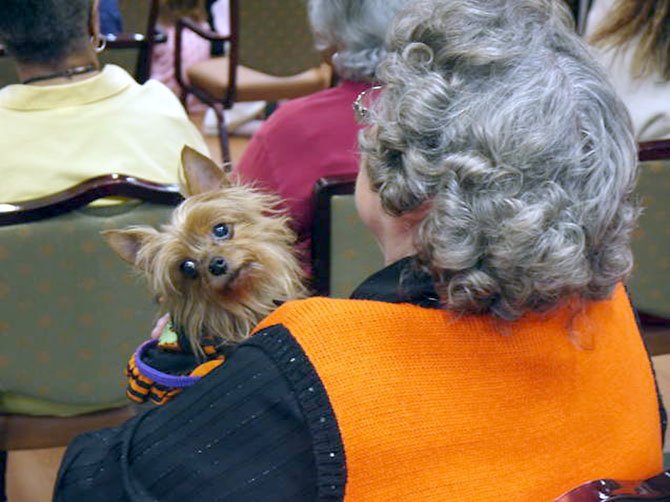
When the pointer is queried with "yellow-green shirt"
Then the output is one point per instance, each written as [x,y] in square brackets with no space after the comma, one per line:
[54,137]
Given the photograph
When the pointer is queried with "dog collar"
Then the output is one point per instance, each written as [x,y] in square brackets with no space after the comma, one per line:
[173,381]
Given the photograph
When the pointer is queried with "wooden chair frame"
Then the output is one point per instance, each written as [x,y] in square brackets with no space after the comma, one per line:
[233,60]
[656,489]
[229,98]
[324,190]
[144,42]
[110,185]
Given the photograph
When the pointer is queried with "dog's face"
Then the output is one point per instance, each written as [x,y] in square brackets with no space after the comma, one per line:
[222,262]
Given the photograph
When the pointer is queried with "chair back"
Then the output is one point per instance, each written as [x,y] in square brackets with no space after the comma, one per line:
[655,489]
[133,49]
[274,36]
[72,311]
[649,284]
[344,252]
[269,36]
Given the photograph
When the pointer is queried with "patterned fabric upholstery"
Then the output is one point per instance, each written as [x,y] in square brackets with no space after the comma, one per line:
[650,283]
[275,37]
[71,311]
[354,254]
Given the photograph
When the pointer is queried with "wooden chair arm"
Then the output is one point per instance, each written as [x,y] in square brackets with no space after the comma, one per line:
[131,40]
[187,23]
[160,37]
[23,432]
[210,35]
[609,490]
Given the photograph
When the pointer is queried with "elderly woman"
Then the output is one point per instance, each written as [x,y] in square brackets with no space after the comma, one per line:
[70,119]
[315,136]
[496,357]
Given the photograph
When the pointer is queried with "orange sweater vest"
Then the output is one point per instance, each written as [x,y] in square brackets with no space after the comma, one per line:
[435,407]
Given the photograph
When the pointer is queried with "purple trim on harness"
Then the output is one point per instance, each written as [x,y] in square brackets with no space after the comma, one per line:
[174,381]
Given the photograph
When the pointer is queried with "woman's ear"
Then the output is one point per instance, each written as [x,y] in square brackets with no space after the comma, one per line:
[94,20]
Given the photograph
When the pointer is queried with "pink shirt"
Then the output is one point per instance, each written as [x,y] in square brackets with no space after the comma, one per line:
[304,140]
[194,50]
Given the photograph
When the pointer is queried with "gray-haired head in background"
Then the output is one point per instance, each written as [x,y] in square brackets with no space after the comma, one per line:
[494,112]
[355,30]
[44,31]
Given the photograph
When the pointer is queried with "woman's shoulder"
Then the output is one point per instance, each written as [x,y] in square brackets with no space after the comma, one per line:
[307,310]
[319,313]
[314,315]
[151,95]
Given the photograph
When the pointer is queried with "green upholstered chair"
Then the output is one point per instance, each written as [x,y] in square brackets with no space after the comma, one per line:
[133,49]
[649,284]
[344,252]
[271,57]
[71,312]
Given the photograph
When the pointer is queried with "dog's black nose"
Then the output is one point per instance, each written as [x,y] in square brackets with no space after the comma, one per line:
[218,266]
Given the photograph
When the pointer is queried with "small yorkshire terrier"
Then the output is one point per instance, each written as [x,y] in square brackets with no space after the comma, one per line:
[223,263]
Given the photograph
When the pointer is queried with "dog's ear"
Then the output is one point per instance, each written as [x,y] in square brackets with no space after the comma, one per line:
[200,173]
[127,243]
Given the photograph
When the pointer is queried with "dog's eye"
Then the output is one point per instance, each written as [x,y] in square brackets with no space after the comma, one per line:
[221,231]
[189,269]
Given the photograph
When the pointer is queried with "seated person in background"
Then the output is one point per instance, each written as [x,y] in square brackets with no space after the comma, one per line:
[194,47]
[632,42]
[315,136]
[496,357]
[71,120]
[193,50]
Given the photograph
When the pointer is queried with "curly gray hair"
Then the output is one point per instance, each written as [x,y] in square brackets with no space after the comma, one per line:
[356,29]
[494,112]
